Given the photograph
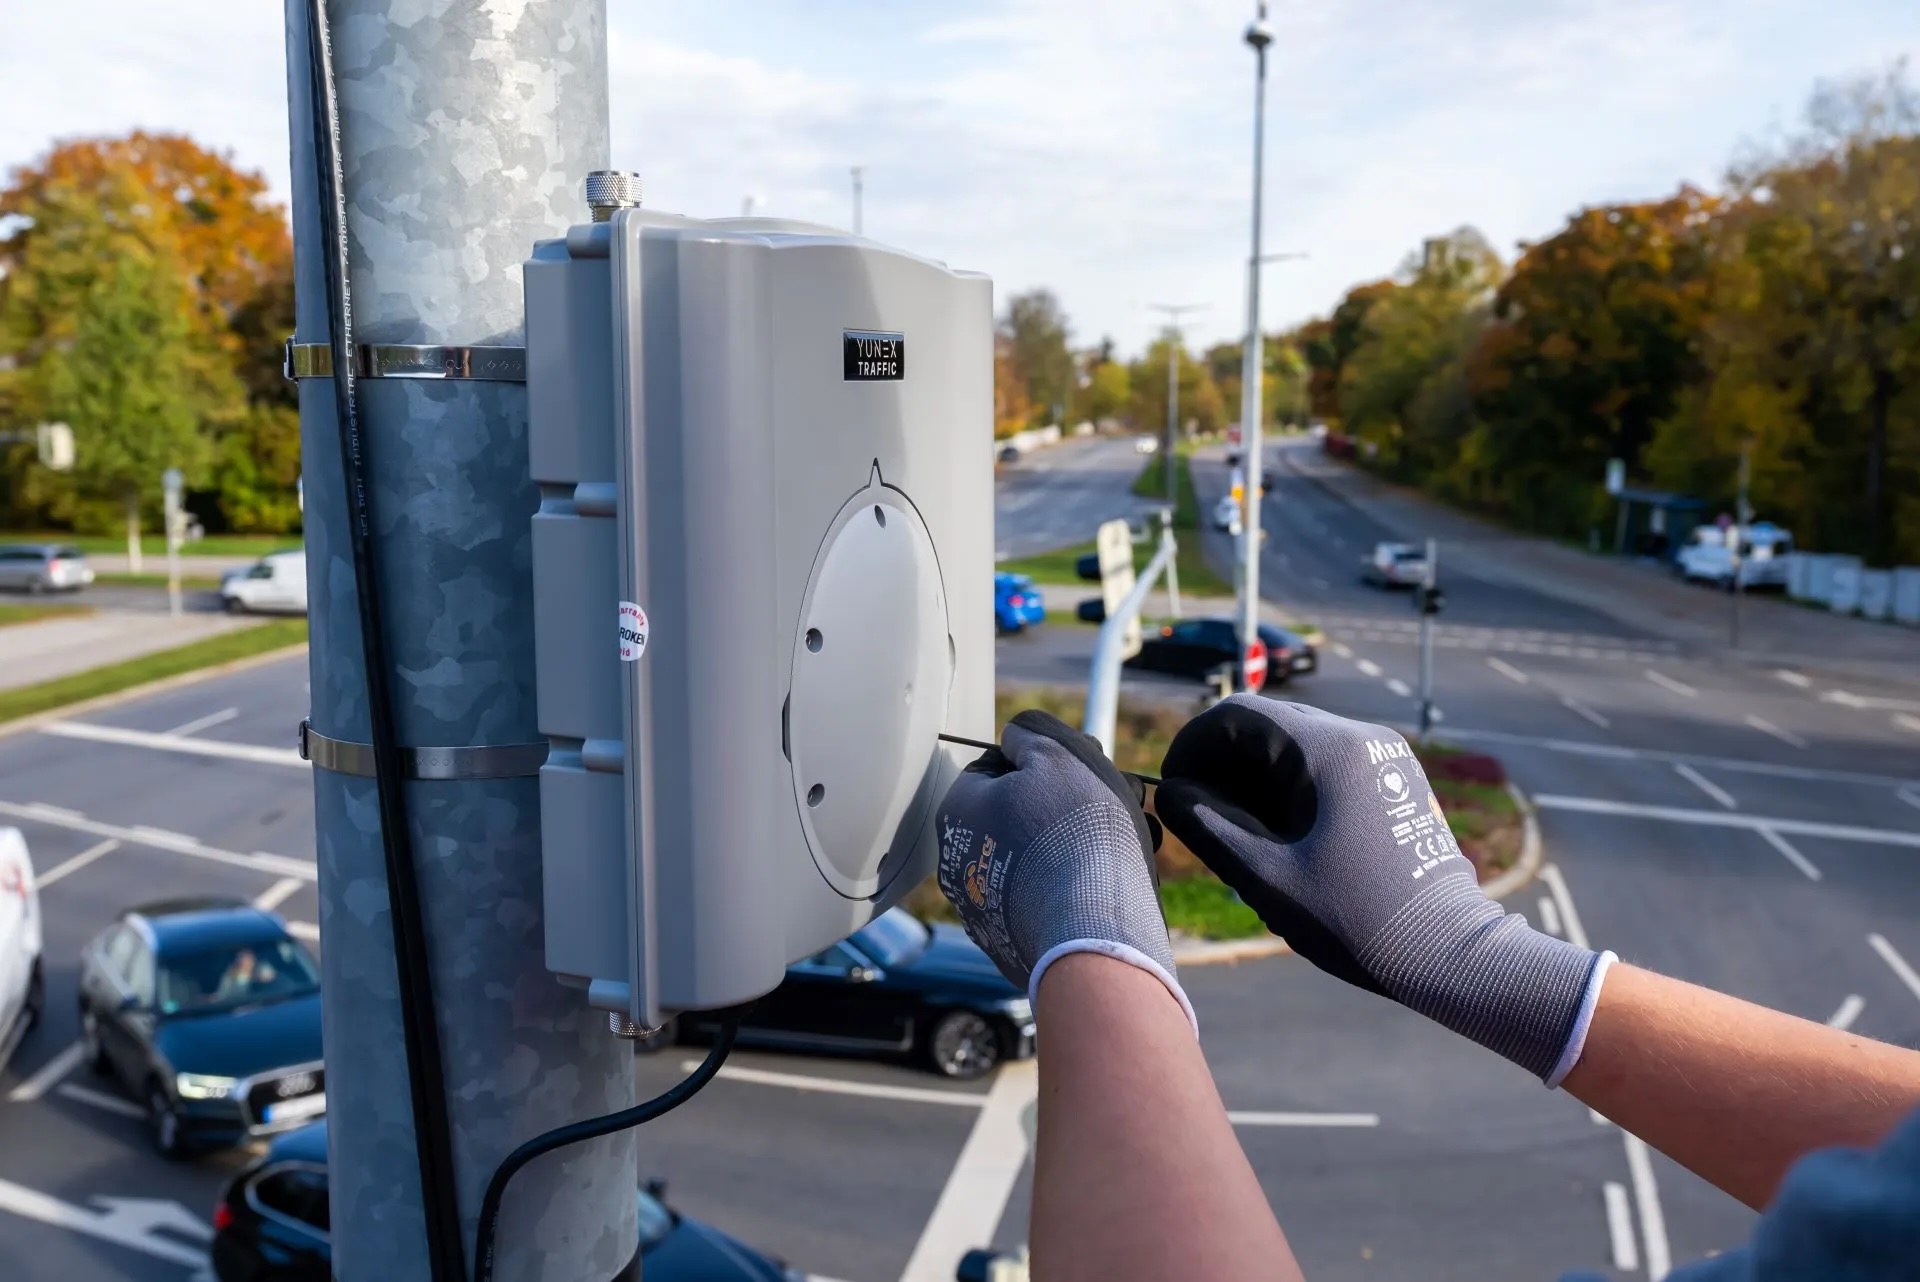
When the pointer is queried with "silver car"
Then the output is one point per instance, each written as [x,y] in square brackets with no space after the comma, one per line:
[43,567]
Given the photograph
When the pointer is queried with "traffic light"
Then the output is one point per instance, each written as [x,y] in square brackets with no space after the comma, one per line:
[1429,599]
[761,569]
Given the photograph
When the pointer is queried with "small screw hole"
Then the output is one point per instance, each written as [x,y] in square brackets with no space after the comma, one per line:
[880,514]
[814,640]
[816,794]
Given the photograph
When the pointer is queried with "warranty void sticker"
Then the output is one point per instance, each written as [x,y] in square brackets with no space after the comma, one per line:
[633,632]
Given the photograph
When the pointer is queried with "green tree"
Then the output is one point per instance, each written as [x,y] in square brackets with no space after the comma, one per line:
[1037,330]
[1108,393]
[1201,408]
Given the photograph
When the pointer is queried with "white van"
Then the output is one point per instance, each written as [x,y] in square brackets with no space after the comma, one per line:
[23,986]
[275,584]
[1707,556]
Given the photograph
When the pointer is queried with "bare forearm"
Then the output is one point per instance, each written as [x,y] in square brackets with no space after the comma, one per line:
[1732,1091]
[1138,1173]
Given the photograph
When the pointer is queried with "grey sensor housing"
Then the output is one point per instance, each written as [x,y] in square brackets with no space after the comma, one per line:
[762,566]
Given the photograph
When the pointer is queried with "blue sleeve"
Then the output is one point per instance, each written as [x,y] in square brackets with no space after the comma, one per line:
[1842,1215]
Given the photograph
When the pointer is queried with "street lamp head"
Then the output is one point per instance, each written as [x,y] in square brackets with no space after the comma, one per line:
[1259,34]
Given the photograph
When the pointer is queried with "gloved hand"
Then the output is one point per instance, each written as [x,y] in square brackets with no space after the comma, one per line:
[1329,830]
[1045,851]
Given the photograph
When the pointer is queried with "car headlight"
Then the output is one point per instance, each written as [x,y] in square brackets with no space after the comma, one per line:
[1017,1009]
[201,1086]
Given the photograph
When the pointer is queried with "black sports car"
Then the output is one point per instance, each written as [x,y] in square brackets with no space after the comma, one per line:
[1201,647]
[209,1012]
[271,1225]
[897,986]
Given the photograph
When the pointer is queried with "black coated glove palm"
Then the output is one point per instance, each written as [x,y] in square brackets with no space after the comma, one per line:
[1330,831]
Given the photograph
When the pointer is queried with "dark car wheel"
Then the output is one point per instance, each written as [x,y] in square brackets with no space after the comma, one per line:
[36,586]
[36,995]
[963,1044]
[163,1121]
[92,1053]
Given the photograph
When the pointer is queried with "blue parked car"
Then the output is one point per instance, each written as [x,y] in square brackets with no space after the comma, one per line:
[1017,604]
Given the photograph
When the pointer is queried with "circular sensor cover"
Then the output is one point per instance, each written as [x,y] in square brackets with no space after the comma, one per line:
[872,665]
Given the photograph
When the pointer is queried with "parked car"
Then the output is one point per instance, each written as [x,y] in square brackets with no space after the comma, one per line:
[1707,557]
[271,1225]
[208,1011]
[275,584]
[1289,648]
[1394,565]
[23,984]
[1007,454]
[1017,604]
[1226,515]
[43,567]
[1146,445]
[899,987]
[1200,648]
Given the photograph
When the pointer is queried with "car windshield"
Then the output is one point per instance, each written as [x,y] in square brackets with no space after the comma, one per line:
[893,937]
[1408,554]
[215,979]
[656,1221]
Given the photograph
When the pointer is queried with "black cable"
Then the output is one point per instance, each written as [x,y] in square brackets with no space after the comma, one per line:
[984,746]
[592,1128]
[426,1079]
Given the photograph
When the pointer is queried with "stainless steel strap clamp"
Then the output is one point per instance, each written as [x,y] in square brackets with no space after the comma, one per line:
[487,761]
[409,360]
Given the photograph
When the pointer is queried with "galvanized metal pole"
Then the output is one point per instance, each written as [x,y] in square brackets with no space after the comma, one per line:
[1103,676]
[467,132]
[1426,636]
[1252,366]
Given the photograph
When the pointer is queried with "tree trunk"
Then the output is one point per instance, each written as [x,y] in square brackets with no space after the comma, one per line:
[133,534]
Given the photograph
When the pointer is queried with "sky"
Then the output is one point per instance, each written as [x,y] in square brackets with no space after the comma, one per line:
[1100,148]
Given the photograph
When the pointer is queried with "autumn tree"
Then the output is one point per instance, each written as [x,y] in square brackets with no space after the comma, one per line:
[1330,343]
[1201,406]
[1012,405]
[1038,332]
[1108,390]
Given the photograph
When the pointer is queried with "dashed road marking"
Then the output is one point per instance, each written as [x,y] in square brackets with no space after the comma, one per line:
[1896,963]
[1399,687]
[1342,650]
[176,743]
[1764,726]
[1573,705]
[1906,721]
[1626,1254]
[1909,789]
[1799,680]
[1508,671]
[1723,819]
[1549,915]
[309,931]
[75,864]
[1368,667]
[1909,795]
[207,722]
[126,1222]
[278,893]
[1646,1196]
[1793,856]
[976,1191]
[48,1075]
[1705,785]
[1666,682]
[1241,1118]
[162,839]
[1849,1011]
[101,1100]
[1569,916]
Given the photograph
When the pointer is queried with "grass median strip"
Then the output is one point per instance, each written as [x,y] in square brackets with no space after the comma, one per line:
[187,581]
[12,614]
[241,643]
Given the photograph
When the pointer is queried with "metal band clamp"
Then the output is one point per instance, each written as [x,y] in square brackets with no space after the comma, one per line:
[486,761]
[409,360]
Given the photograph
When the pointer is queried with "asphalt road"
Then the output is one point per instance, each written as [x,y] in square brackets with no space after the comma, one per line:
[1058,496]
[1729,824]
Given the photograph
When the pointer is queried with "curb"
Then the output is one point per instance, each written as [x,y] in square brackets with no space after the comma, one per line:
[1203,952]
[177,681]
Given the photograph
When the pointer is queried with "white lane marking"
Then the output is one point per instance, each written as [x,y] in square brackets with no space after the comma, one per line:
[1911,796]
[1368,668]
[1342,651]
[1896,963]
[1738,765]
[1799,680]
[1793,856]
[198,724]
[53,812]
[278,893]
[1572,704]
[843,1086]
[1303,1119]
[1906,722]
[309,931]
[1598,1118]
[1705,785]
[163,840]
[1549,915]
[1764,726]
[1666,682]
[1847,699]
[1720,819]
[101,1100]
[1646,1195]
[1399,687]
[1508,671]
[128,1222]
[76,863]
[1626,1255]
[1849,1011]
[976,1191]
[1569,915]
[174,743]
[48,1075]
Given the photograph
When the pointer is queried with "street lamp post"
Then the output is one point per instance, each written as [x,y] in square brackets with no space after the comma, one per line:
[1258,37]
[859,189]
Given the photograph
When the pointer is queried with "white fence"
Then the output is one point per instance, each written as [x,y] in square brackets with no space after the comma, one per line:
[1845,586]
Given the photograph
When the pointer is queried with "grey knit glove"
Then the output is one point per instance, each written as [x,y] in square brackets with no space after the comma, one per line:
[1045,851]
[1329,830]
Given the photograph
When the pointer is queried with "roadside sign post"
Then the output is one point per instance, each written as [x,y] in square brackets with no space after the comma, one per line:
[172,488]
[1114,544]
[1428,600]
